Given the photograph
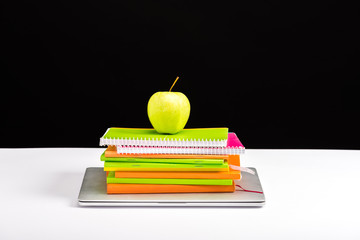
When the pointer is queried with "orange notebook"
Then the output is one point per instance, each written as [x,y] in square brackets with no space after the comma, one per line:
[113,188]
[188,175]
[232,159]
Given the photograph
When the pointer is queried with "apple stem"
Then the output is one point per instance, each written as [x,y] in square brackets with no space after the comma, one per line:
[174,83]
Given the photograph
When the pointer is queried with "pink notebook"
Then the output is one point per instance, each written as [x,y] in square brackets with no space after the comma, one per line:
[234,147]
[234,141]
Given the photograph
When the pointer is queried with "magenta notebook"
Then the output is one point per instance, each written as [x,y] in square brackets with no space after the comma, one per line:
[234,141]
[233,147]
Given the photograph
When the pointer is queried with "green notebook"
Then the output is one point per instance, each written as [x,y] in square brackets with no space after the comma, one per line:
[122,166]
[161,160]
[191,137]
[112,179]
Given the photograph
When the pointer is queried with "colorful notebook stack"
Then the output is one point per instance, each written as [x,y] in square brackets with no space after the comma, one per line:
[193,160]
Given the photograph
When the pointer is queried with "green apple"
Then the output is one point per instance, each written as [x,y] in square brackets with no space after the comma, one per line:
[168,111]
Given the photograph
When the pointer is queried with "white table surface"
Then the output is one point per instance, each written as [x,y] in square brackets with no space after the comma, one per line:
[310,194]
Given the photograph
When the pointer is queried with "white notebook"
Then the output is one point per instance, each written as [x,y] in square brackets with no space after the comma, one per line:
[181,150]
[192,137]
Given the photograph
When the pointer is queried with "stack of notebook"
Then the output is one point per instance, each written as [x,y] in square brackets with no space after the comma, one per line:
[193,160]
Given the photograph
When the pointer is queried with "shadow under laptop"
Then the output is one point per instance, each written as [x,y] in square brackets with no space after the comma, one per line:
[172,207]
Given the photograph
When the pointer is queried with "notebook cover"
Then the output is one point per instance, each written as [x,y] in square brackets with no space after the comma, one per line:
[121,166]
[234,141]
[193,175]
[195,137]
[181,181]
[115,188]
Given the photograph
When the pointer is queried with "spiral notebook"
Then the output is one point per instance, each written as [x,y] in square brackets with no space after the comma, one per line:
[233,147]
[145,137]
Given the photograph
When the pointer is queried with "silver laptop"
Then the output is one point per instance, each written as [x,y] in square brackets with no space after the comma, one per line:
[93,193]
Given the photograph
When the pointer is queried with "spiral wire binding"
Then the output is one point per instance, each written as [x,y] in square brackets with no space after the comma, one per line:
[154,142]
[180,150]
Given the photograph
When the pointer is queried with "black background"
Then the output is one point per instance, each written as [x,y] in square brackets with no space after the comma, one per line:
[281,74]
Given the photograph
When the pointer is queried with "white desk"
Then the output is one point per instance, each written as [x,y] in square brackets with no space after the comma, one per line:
[310,194]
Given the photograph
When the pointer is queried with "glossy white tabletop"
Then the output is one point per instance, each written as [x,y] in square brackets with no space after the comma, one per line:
[310,194]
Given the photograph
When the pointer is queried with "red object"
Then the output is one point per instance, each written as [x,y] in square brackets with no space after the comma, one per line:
[245,190]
